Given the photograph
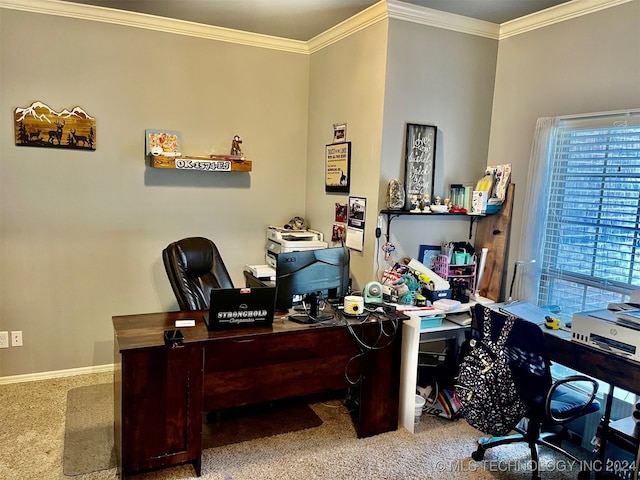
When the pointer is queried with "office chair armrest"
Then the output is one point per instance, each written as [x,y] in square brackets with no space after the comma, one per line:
[576,412]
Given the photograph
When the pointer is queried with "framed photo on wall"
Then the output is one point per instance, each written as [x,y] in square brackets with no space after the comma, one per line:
[420,154]
[339,132]
[337,167]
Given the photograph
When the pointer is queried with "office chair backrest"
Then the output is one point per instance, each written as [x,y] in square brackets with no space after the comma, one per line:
[194,267]
[530,365]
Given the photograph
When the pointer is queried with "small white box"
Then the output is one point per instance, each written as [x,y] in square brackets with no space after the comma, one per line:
[261,271]
[479,201]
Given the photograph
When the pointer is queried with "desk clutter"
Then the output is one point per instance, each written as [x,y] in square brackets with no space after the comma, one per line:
[444,275]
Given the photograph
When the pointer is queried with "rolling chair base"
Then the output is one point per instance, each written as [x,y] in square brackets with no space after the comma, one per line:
[547,439]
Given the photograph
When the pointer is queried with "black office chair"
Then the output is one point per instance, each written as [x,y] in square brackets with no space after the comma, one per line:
[194,267]
[550,405]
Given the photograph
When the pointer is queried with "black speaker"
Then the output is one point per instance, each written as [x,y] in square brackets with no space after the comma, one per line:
[373,293]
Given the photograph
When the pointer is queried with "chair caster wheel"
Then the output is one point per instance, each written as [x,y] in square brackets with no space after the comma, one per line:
[478,455]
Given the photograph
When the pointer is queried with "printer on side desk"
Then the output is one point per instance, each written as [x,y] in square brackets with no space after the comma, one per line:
[604,330]
[282,240]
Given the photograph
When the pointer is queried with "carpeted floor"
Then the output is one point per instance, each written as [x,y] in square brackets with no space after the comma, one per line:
[32,431]
[88,440]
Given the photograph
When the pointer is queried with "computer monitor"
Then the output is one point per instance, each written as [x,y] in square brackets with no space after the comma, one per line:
[311,275]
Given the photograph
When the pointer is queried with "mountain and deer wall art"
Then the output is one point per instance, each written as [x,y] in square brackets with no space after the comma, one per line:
[38,125]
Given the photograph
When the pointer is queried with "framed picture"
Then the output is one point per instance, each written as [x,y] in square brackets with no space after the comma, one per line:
[420,154]
[426,254]
[337,167]
[339,132]
[162,142]
[341,213]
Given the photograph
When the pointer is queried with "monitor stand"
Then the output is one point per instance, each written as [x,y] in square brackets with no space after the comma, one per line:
[301,318]
[313,311]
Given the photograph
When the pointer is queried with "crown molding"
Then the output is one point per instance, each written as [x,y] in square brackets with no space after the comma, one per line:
[557,14]
[380,11]
[152,22]
[359,21]
[448,21]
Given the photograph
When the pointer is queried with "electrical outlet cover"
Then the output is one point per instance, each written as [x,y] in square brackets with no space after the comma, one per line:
[16,338]
[4,339]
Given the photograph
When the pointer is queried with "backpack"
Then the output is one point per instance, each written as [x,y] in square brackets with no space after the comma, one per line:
[485,386]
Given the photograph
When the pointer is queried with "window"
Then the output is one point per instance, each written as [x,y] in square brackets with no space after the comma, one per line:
[590,251]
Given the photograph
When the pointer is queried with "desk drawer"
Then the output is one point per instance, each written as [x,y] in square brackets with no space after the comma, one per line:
[259,350]
[262,368]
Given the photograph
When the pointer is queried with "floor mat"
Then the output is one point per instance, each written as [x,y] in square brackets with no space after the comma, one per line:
[257,421]
[88,436]
[88,433]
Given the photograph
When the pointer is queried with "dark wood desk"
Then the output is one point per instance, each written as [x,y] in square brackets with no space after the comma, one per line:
[615,370]
[161,391]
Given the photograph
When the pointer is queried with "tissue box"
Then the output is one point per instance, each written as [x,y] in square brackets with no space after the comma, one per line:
[433,295]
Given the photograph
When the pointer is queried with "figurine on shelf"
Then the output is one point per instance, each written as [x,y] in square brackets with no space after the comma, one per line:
[415,207]
[426,203]
[235,146]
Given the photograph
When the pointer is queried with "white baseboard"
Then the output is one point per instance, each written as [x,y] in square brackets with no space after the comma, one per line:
[31,377]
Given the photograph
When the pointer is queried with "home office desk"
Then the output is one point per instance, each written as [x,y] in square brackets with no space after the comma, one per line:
[615,370]
[161,391]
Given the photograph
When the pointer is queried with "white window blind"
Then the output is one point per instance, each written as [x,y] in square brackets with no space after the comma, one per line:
[591,245]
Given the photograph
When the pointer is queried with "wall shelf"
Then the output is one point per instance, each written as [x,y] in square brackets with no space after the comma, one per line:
[219,163]
[391,214]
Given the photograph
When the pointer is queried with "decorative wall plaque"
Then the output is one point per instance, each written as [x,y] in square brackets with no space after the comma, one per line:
[38,125]
[420,157]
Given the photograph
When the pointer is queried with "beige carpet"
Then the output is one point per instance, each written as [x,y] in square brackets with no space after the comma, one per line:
[88,440]
[32,440]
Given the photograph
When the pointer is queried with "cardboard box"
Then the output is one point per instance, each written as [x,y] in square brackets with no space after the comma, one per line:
[479,201]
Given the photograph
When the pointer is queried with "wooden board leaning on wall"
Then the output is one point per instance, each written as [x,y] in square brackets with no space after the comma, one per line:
[493,233]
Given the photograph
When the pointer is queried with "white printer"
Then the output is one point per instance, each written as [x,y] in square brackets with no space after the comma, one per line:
[282,240]
[603,330]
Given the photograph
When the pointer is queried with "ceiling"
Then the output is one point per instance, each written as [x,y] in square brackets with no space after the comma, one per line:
[304,19]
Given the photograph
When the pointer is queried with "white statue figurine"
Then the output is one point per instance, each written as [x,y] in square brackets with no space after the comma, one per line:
[414,204]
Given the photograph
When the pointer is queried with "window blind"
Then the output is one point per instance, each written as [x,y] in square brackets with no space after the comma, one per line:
[591,244]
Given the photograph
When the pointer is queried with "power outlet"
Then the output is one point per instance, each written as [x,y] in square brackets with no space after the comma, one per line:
[4,339]
[16,338]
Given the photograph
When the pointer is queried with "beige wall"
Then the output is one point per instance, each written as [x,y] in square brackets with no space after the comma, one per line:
[81,233]
[442,78]
[347,85]
[588,64]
